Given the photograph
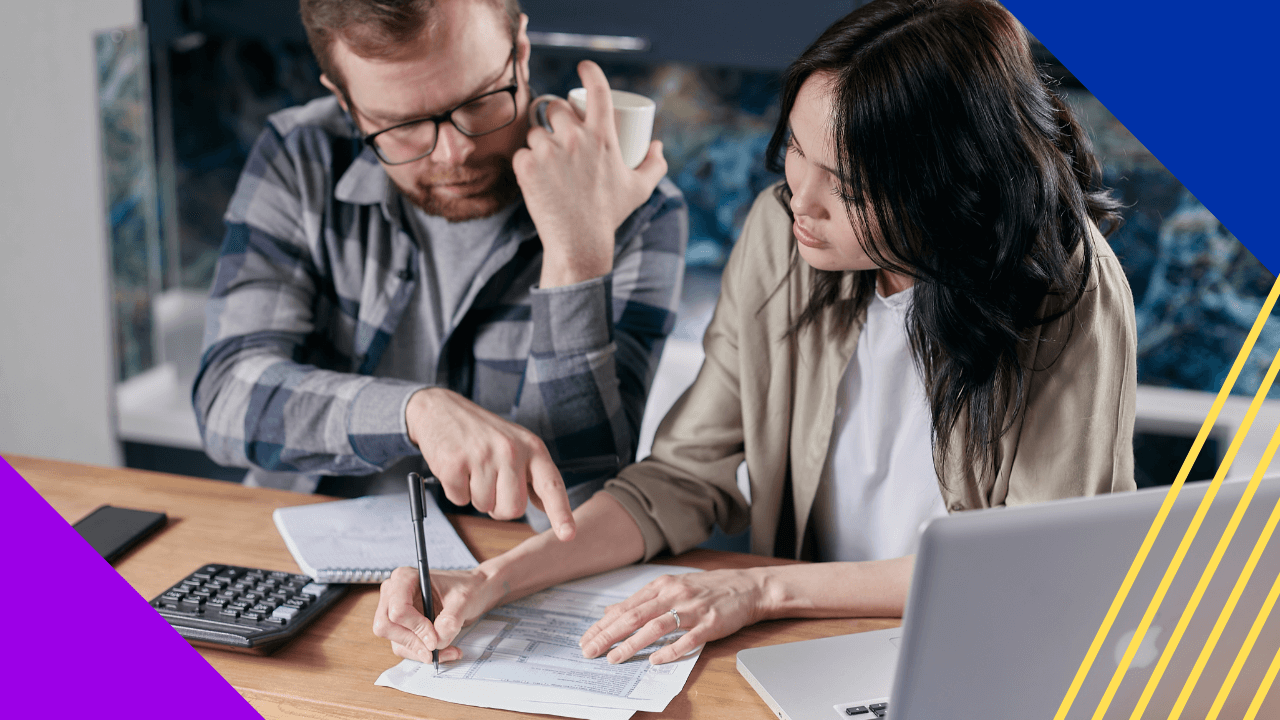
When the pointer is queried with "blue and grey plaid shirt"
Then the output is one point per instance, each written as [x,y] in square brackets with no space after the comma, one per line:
[316,271]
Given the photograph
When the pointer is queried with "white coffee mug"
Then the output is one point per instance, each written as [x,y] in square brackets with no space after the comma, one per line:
[632,115]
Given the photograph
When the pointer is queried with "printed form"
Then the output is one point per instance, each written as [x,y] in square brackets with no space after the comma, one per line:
[524,656]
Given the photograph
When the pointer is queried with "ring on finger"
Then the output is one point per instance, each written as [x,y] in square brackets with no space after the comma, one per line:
[675,615]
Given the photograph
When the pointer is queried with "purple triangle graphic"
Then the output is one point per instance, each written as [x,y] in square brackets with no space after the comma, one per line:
[97,650]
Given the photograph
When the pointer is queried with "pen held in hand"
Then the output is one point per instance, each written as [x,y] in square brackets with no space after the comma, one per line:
[417,508]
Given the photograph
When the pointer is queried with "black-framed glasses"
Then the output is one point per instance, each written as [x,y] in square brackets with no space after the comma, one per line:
[416,139]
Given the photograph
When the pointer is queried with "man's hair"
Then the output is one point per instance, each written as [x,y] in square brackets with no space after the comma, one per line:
[375,28]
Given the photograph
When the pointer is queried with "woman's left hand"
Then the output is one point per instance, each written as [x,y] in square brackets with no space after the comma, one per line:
[710,604]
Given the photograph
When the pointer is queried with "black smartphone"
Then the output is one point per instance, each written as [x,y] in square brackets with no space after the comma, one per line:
[113,530]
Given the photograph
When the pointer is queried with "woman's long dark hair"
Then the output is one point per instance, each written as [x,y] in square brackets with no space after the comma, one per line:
[973,178]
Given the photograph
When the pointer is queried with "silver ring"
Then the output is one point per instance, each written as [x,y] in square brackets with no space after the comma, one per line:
[676,616]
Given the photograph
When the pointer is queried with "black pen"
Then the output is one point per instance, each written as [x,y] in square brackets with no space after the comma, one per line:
[417,507]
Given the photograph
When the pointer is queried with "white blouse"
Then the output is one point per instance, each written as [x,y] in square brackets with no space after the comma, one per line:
[879,484]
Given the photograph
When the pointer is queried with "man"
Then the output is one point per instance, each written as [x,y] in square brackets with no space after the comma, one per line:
[411,274]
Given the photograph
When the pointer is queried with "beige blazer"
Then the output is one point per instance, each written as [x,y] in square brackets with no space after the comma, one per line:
[771,402]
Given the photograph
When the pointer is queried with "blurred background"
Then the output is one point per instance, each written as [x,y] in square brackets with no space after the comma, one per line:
[141,115]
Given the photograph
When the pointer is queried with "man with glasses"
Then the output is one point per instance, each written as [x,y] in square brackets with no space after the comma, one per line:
[413,276]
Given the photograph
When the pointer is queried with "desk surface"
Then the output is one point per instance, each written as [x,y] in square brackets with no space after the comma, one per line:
[329,671]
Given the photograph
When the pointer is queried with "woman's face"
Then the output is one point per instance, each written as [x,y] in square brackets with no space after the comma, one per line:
[827,240]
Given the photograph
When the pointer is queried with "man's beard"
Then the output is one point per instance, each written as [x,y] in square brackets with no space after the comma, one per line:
[499,191]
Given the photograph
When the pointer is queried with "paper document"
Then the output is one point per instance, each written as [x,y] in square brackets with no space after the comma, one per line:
[364,539]
[524,656]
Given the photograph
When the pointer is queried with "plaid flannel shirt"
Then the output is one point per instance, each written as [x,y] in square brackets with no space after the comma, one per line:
[316,270]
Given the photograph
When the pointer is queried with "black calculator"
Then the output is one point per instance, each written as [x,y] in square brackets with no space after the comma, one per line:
[245,609]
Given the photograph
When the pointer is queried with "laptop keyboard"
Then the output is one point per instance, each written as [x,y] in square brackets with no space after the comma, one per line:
[867,712]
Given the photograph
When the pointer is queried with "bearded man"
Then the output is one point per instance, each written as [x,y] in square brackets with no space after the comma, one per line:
[415,279]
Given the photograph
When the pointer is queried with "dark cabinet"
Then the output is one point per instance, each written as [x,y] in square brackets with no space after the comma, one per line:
[742,33]
[715,32]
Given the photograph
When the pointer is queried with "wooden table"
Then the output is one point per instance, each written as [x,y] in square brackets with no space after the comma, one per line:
[329,671]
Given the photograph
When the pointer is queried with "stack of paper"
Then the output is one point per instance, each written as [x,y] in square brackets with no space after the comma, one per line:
[524,656]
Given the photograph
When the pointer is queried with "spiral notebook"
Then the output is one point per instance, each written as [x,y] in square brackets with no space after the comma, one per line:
[363,540]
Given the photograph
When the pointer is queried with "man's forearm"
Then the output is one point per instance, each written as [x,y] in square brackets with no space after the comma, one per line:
[561,268]
[352,424]
[607,538]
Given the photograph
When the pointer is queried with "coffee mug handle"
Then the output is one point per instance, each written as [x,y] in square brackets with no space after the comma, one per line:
[539,112]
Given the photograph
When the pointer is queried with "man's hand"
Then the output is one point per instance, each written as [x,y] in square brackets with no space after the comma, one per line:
[576,185]
[462,596]
[711,605]
[486,461]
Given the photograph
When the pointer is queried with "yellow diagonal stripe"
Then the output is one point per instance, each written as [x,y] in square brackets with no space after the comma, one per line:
[1218,552]
[1243,655]
[1270,677]
[1180,554]
[1241,582]
[1087,663]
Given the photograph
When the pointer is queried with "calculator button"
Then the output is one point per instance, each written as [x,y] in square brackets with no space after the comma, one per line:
[314,589]
[249,618]
[263,608]
[230,613]
[240,605]
[879,706]
[217,603]
[299,602]
[286,612]
[857,710]
[272,619]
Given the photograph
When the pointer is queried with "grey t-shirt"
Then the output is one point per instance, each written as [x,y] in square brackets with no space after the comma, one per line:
[451,257]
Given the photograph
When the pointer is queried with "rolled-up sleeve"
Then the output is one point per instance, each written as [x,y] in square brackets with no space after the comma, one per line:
[596,344]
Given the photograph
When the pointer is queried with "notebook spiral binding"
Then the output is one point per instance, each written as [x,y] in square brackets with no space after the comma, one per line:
[353,575]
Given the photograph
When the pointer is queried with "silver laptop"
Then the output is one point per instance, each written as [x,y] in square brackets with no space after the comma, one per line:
[1005,603]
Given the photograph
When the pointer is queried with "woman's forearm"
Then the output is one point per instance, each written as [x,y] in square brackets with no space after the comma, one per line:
[607,538]
[836,589]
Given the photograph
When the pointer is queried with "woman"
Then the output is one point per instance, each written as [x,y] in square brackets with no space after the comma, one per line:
[923,318]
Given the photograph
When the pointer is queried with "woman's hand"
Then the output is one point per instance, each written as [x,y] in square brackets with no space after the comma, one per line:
[461,596]
[710,604]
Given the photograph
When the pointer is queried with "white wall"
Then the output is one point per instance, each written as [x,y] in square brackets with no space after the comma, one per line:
[56,368]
